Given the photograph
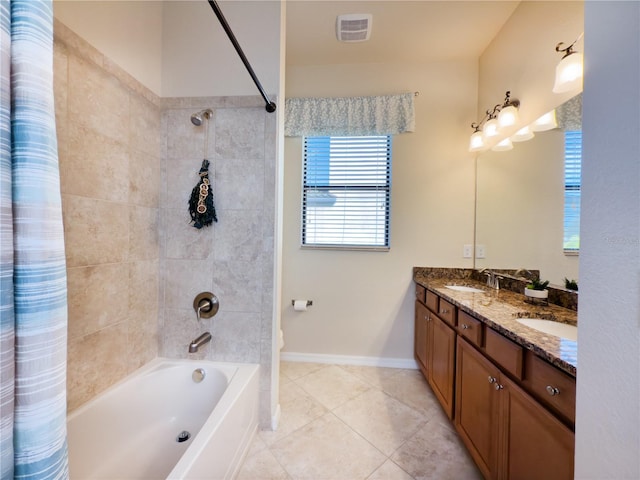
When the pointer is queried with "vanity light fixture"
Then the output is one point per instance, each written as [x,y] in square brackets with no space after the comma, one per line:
[545,122]
[569,70]
[501,116]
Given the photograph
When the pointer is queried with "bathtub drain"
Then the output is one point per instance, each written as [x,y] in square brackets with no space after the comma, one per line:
[183,436]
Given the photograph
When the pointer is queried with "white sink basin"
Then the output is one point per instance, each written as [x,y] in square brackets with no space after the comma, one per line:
[462,288]
[558,329]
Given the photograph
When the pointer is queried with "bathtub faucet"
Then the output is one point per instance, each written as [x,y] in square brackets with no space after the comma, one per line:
[200,341]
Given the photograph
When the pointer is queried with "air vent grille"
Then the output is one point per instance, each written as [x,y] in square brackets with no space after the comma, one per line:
[353,27]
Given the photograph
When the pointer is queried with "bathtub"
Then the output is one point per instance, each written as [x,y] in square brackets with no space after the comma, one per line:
[135,430]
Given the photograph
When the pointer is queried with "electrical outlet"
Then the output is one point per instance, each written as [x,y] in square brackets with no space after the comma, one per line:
[467,251]
[480,251]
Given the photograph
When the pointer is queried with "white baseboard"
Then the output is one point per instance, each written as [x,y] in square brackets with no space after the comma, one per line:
[275,418]
[409,363]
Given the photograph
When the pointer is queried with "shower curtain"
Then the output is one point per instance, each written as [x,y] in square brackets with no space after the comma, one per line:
[33,299]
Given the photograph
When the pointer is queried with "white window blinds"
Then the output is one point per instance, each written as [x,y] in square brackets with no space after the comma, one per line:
[572,180]
[346,192]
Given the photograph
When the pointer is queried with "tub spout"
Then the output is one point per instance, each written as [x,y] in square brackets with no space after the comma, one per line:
[200,341]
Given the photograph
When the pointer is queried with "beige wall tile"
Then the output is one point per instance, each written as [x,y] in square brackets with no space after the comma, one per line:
[98,100]
[240,133]
[184,280]
[143,233]
[145,125]
[95,362]
[98,296]
[95,231]
[95,166]
[144,179]
[183,240]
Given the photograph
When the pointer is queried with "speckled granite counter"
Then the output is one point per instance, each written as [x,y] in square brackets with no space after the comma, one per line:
[500,310]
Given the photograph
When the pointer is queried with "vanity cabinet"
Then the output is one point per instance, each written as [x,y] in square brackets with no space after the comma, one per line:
[513,410]
[435,343]
[509,434]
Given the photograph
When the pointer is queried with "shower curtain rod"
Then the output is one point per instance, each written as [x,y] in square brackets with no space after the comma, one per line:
[270,106]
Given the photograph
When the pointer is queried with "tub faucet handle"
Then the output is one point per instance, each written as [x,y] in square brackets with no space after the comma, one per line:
[206,305]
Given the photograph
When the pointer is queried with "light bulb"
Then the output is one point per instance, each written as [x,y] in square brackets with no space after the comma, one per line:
[476,142]
[491,128]
[508,116]
[569,73]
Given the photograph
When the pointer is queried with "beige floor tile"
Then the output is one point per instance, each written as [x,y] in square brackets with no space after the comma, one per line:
[262,466]
[332,386]
[389,471]
[411,388]
[374,376]
[326,449]
[294,370]
[436,452]
[297,410]
[381,419]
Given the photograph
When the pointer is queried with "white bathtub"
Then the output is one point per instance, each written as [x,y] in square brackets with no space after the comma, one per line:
[131,430]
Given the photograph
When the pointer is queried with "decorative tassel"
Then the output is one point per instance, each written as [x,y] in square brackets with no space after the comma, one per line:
[201,208]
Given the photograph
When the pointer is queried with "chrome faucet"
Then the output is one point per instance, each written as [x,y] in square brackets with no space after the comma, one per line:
[493,279]
[198,342]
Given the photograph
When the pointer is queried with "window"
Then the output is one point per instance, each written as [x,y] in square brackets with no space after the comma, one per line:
[572,175]
[346,192]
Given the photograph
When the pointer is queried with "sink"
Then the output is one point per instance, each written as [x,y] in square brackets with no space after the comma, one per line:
[563,330]
[463,288]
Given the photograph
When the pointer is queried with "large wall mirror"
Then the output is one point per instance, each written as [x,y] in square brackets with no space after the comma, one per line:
[520,203]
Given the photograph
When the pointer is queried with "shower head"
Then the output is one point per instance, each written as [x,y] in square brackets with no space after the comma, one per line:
[197,118]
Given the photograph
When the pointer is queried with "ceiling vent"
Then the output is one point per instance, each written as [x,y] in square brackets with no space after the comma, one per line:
[353,27]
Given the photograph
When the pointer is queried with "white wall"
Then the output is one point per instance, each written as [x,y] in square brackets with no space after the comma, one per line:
[363,301]
[199,59]
[608,404]
[178,48]
[127,32]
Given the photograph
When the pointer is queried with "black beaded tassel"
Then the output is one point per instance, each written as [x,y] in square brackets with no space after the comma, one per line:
[201,208]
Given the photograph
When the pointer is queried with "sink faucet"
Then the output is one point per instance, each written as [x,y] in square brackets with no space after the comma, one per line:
[200,341]
[493,279]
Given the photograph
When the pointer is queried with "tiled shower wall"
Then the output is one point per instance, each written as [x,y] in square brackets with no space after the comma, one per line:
[109,150]
[233,258]
[128,162]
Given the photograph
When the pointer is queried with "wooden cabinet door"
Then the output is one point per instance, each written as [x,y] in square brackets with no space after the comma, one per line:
[442,355]
[477,407]
[421,332]
[536,444]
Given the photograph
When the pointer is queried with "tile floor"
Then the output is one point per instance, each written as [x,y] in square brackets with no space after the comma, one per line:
[357,423]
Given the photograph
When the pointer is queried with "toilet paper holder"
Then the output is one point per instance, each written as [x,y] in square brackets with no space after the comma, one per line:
[309,303]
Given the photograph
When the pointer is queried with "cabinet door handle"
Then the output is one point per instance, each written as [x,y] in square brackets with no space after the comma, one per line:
[492,379]
[427,318]
[498,386]
[465,326]
[553,391]
[444,310]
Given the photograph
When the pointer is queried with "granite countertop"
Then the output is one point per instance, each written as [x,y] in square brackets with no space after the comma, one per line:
[500,309]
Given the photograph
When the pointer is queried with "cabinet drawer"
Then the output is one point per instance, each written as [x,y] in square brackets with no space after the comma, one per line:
[550,386]
[421,293]
[504,352]
[432,301]
[470,328]
[447,312]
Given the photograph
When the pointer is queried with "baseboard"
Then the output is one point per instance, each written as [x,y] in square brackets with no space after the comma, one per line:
[409,363]
[275,418]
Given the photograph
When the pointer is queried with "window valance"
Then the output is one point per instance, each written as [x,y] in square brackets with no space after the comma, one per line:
[348,116]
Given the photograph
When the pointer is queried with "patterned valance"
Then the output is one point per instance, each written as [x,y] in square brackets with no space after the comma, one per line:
[380,115]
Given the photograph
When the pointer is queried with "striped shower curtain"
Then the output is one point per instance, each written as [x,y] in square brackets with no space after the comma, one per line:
[33,300]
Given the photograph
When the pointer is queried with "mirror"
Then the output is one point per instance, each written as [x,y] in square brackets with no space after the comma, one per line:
[520,203]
